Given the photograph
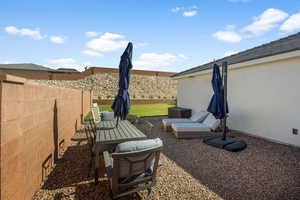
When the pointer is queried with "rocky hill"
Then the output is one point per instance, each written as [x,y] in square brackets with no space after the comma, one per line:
[105,85]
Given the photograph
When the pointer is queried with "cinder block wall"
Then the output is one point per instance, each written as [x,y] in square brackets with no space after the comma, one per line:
[34,120]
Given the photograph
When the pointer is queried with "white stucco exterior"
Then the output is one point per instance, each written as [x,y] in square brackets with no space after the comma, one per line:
[263,97]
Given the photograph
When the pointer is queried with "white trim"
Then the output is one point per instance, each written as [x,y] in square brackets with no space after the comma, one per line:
[258,61]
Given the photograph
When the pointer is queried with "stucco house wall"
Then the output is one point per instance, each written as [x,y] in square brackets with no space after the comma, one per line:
[264,97]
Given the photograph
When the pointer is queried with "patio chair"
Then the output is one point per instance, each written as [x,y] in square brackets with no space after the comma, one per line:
[96,114]
[90,132]
[93,127]
[196,117]
[133,166]
[105,115]
[132,119]
[196,130]
[145,126]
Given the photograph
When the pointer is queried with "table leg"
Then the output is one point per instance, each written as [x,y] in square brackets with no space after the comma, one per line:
[96,175]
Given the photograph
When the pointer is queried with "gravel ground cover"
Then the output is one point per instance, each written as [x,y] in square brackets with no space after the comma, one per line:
[190,170]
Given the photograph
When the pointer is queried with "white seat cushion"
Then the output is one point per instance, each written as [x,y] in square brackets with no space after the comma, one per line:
[190,127]
[199,116]
[139,166]
[167,122]
[211,122]
[95,104]
[107,116]
[138,145]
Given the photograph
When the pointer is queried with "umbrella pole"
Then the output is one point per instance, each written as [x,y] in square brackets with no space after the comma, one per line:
[117,122]
[224,76]
[223,142]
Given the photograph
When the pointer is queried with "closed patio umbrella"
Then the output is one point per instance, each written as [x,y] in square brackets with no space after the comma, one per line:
[121,104]
[219,108]
[216,105]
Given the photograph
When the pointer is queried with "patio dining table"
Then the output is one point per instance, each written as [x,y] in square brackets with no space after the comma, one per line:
[108,133]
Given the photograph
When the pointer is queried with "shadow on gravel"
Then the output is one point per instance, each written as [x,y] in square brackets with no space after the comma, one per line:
[70,169]
[68,179]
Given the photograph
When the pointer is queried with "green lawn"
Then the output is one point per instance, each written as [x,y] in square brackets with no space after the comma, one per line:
[144,109]
[141,110]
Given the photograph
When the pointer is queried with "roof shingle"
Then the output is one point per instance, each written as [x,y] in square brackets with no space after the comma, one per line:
[283,45]
[26,67]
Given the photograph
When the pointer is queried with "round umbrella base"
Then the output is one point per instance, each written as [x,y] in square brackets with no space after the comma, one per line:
[229,144]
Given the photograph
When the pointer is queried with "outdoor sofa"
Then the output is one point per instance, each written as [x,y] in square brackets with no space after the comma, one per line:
[196,130]
[195,118]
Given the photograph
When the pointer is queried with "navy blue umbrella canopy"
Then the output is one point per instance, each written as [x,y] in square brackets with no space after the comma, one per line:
[121,105]
[216,105]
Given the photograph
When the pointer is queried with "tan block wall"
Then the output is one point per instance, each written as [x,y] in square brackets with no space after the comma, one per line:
[34,119]
[46,75]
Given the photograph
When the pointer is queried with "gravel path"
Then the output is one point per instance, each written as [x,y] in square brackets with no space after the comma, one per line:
[190,170]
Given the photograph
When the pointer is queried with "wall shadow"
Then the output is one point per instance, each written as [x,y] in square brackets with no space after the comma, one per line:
[71,168]
[69,178]
[55,133]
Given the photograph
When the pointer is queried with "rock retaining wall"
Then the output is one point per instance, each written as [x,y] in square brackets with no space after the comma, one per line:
[105,85]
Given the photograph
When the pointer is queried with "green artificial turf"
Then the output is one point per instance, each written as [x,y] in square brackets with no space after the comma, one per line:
[141,110]
[144,109]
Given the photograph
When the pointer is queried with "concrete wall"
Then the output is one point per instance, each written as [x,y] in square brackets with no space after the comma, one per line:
[263,99]
[34,120]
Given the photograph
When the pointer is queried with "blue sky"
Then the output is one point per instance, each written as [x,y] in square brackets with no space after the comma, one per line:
[168,35]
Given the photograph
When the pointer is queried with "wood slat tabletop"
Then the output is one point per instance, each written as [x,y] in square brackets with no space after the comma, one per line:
[108,133]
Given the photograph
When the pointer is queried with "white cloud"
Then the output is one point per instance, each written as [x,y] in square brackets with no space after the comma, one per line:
[33,33]
[230,27]
[92,33]
[228,36]
[229,53]
[85,64]
[67,63]
[190,13]
[155,61]
[182,56]
[91,53]
[63,62]
[266,21]
[57,39]
[182,8]
[111,36]
[107,42]
[176,9]
[291,24]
